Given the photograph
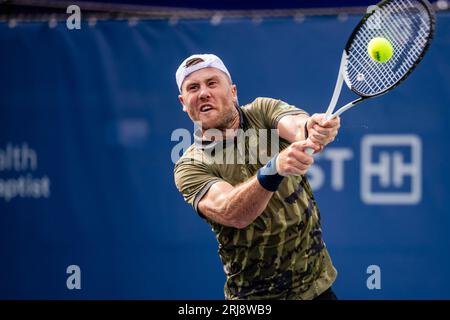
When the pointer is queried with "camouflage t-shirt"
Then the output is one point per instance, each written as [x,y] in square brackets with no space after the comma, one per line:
[281,254]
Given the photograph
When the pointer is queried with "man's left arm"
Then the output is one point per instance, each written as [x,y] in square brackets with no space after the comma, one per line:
[318,130]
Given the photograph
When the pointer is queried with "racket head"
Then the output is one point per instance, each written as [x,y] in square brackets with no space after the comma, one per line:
[409,25]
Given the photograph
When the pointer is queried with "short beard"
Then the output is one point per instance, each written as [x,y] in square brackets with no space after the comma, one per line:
[224,123]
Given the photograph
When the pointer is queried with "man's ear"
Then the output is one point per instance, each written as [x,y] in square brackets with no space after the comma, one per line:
[234,93]
[180,97]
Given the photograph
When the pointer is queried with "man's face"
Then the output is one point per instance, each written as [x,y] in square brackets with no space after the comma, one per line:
[208,97]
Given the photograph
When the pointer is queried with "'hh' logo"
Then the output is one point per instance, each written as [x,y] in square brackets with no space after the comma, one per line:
[391,169]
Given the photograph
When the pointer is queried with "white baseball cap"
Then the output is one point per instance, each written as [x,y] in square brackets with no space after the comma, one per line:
[209,61]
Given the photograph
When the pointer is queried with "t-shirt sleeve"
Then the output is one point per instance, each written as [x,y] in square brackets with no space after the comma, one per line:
[193,179]
[270,111]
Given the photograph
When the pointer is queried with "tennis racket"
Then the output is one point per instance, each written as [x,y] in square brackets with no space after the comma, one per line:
[409,27]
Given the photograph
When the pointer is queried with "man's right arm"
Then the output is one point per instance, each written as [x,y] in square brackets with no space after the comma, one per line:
[240,205]
[235,206]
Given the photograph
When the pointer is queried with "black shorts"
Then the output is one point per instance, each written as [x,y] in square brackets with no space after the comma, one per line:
[326,295]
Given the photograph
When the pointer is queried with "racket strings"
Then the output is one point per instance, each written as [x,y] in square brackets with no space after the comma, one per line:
[401,30]
[412,24]
[395,34]
[407,25]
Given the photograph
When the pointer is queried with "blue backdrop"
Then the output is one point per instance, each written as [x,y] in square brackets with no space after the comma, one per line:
[86,175]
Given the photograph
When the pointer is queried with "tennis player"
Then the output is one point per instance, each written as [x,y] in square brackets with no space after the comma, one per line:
[264,215]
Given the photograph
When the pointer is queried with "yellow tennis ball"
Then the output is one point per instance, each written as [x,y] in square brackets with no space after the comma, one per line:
[380,49]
